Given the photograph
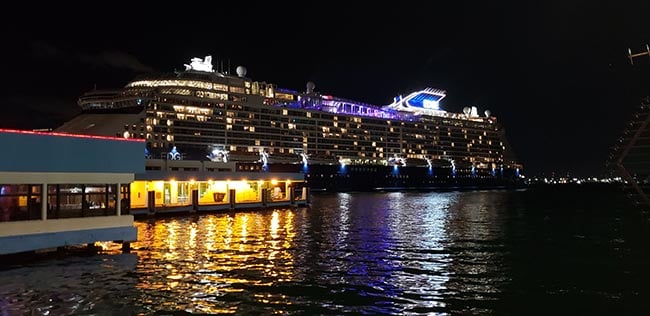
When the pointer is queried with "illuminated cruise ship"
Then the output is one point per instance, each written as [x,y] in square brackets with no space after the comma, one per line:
[202,113]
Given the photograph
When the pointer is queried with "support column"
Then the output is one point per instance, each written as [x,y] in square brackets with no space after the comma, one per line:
[44,201]
[195,201]
[118,202]
[231,198]
[265,197]
[151,201]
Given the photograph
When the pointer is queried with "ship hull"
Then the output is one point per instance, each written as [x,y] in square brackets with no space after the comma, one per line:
[337,178]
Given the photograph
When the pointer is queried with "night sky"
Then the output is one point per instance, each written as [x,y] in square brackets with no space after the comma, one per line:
[555,73]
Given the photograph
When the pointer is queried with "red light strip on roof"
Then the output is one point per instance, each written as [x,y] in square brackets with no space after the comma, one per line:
[16,131]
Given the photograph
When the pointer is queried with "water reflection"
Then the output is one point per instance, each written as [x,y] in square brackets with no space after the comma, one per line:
[475,229]
[222,257]
[71,286]
[374,253]
[362,252]
[424,274]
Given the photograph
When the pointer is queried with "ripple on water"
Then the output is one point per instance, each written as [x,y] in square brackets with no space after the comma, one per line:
[373,253]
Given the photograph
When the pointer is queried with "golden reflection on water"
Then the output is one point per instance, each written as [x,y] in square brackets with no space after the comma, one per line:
[203,258]
[275,223]
[192,242]
[288,227]
[227,237]
[243,221]
[172,239]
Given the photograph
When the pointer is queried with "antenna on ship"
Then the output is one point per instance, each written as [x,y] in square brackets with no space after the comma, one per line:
[632,56]
[228,67]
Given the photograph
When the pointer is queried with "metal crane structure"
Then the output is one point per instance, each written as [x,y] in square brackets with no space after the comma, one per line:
[632,152]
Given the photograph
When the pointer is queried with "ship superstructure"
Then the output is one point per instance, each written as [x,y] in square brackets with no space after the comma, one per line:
[200,113]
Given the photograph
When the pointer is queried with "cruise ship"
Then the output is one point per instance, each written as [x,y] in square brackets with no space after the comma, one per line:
[203,113]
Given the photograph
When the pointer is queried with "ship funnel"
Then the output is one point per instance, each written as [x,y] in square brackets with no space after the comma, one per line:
[310,87]
[241,71]
[474,112]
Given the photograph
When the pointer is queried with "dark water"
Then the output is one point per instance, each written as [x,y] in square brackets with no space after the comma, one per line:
[564,250]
